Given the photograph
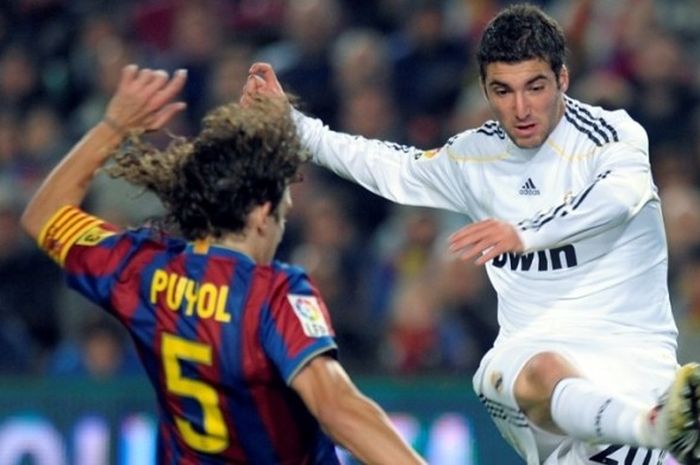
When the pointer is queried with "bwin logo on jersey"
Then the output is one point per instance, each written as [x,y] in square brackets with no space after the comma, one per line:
[544,260]
[529,188]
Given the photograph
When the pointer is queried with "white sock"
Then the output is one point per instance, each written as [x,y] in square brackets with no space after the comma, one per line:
[584,411]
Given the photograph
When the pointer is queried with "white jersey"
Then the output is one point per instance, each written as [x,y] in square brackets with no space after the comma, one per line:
[584,203]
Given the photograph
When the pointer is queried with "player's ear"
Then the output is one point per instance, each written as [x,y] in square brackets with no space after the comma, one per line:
[563,80]
[260,216]
[484,92]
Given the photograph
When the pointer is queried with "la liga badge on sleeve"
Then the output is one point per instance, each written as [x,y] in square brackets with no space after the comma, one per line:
[308,312]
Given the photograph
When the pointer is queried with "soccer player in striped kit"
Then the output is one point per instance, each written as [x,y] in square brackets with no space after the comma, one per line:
[239,347]
[566,219]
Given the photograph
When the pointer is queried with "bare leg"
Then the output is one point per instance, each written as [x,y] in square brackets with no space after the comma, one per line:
[535,384]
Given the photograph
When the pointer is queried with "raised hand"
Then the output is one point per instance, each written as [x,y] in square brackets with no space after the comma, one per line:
[262,80]
[485,239]
[144,99]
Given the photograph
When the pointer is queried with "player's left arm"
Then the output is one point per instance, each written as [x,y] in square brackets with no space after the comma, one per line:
[349,417]
[143,102]
[298,337]
[621,186]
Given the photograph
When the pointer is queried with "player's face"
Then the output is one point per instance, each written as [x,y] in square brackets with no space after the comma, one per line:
[526,98]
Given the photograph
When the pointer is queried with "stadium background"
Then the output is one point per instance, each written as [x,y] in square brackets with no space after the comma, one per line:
[411,323]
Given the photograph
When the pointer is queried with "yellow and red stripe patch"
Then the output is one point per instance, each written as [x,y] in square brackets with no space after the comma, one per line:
[68,225]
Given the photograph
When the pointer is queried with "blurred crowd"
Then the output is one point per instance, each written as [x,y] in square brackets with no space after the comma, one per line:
[401,70]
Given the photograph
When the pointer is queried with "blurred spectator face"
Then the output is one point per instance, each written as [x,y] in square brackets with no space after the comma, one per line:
[426,26]
[415,307]
[312,23]
[230,75]
[97,30]
[100,45]
[421,228]
[112,56]
[103,352]
[673,166]
[326,236]
[658,61]
[681,209]
[471,111]
[9,138]
[42,133]
[102,355]
[360,59]
[197,32]
[604,88]
[459,281]
[327,225]
[412,340]
[18,77]
[369,112]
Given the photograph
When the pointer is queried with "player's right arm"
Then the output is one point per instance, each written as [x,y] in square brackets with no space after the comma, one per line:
[143,101]
[402,174]
[90,250]
[350,418]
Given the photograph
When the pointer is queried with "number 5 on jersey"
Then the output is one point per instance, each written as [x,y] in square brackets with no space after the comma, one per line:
[173,350]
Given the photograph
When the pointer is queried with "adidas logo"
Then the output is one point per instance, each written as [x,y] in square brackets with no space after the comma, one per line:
[529,188]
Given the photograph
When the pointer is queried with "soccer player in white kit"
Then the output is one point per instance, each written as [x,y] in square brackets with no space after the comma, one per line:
[567,221]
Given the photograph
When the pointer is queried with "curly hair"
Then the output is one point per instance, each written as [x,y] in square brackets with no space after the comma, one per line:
[522,32]
[242,158]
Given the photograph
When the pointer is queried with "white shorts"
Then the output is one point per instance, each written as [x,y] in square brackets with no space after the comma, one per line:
[623,366]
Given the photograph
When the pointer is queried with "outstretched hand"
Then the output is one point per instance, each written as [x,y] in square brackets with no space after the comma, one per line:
[485,239]
[144,99]
[262,80]
[143,102]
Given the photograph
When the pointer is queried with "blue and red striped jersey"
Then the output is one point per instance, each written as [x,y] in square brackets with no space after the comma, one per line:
[221,338]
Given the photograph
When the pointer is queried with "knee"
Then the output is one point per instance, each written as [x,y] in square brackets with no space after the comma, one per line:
[546,365]
[541,373]
[535,384]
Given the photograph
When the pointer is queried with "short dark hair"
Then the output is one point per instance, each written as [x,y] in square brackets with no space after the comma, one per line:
[242,158]
[522,32]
